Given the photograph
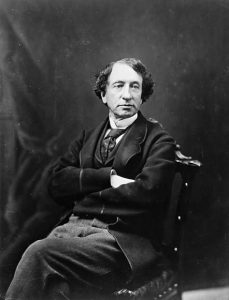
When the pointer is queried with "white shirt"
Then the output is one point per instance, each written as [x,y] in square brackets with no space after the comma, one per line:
[121,124]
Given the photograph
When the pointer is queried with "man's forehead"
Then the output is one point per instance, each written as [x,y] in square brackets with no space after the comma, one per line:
[124,72]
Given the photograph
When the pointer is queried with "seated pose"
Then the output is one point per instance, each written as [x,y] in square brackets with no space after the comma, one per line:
[115,180]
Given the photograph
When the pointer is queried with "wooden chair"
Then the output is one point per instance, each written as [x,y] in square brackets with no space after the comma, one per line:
[167,284]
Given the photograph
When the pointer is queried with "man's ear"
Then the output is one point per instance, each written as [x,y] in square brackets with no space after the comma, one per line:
[103,96]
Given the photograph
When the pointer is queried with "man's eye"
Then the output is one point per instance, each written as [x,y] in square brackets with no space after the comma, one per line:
[118,85]
[135,86]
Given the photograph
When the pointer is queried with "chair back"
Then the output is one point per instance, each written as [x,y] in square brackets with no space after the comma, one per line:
[186,169]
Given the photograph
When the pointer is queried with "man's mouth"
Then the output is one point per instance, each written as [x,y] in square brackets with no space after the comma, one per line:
[126,105]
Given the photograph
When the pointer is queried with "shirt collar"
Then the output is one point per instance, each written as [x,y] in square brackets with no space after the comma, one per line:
[122,124]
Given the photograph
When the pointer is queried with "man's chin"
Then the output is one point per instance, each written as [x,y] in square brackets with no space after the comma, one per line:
[126,113]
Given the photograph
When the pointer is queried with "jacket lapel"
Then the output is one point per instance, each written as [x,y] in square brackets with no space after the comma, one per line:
[129,147]
[131,143]
[88,151]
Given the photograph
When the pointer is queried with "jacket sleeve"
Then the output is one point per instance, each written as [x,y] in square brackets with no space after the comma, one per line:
[152,182]
[68,182]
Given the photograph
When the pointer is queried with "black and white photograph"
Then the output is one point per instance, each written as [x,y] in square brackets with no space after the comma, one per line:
[114,149]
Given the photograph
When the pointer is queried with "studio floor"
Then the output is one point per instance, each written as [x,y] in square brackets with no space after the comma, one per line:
[207,294]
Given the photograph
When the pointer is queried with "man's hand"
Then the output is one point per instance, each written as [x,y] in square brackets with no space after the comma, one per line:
[117,180]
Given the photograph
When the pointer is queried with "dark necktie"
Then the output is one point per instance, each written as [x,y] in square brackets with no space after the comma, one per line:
[109,142]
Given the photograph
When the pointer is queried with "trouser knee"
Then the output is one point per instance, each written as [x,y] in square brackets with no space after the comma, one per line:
[35,253]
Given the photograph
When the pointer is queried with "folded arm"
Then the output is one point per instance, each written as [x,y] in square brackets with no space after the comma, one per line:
[68,180]
[150,184]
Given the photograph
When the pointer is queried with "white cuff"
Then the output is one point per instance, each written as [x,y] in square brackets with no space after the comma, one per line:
[117,180]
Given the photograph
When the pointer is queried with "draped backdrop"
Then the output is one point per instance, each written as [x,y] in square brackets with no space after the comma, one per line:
[50,51]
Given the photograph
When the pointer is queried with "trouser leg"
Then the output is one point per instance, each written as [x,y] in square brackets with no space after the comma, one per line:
[51,268]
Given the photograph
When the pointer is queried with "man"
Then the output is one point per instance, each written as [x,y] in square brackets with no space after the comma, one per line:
[115,179]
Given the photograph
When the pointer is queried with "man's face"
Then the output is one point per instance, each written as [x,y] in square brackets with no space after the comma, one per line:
[123,91]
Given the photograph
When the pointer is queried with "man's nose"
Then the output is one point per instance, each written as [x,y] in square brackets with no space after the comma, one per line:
[126,93]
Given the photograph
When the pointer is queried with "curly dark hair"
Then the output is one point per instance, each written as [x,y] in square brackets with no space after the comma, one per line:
[137,66]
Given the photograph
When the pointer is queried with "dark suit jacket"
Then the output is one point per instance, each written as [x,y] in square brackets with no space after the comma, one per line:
[145,154]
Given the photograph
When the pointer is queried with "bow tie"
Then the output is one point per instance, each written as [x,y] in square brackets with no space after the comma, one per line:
[109,142]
